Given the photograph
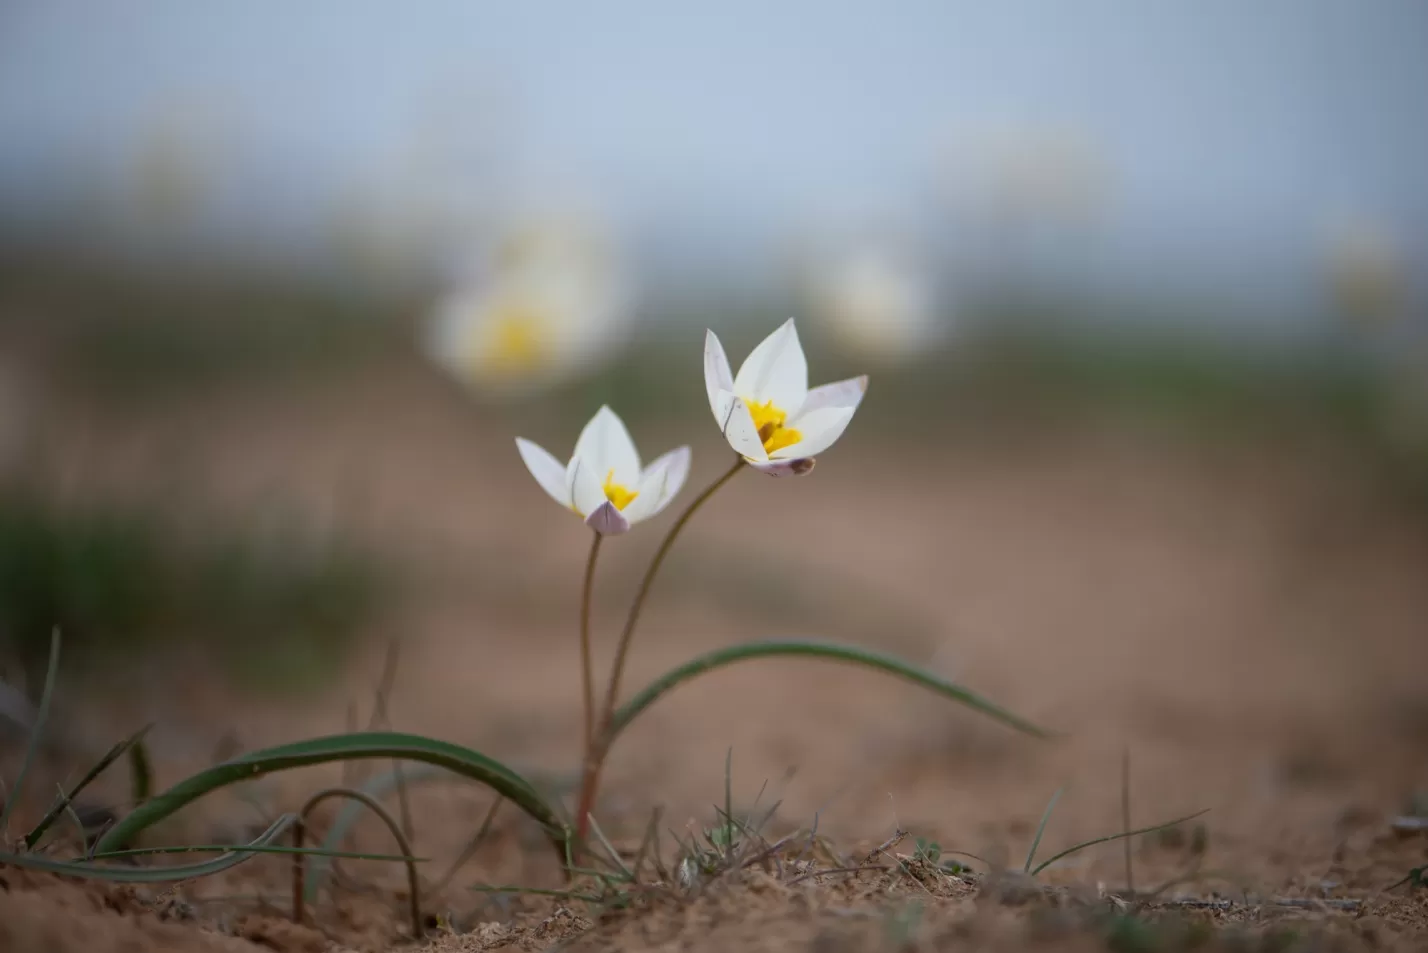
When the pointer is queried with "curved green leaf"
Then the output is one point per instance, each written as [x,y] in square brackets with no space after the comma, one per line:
[154,874]
[211,848]
[810,649]
[345,747]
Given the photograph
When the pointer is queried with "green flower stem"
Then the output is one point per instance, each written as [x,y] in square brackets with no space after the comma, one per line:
[587,679]
[600,743]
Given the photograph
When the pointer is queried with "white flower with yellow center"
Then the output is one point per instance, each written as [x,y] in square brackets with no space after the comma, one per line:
[1365,276]
[767,413]
[549,308]
[604,482]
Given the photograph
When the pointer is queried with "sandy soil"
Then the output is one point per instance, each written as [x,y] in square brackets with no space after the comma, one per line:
[1245,619]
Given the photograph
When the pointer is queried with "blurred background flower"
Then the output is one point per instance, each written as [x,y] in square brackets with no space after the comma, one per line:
[1364,272]
[547,303]
[877,301]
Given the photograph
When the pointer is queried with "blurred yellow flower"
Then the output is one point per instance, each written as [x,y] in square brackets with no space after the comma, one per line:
[1364,273]
[550,306]
[603,482]
[767,413]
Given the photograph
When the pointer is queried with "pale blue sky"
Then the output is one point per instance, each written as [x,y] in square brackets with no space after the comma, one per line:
[1231,127]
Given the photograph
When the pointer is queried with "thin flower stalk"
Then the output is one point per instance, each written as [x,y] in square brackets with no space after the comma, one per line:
[587,677]
[597,750]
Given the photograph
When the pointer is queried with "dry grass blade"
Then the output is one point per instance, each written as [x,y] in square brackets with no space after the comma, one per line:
[1126,816]
[651,839]
[34,744]
[380,719]
[472,846]
[378,786]
[729,808]
[609,848]
[375,806]
[861,868]
[537,892]
[112,755]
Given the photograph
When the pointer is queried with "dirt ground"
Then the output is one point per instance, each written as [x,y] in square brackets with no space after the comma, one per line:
[1245,618]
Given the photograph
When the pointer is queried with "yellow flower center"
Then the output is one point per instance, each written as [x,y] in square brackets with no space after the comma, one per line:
[616,493]
[768,419]
[519,341]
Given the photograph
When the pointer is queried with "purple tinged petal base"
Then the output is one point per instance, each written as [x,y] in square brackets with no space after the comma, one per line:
[607,520]
[783,468]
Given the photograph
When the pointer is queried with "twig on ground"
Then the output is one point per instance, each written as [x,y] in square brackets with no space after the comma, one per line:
[886,846]
[1301,903]
[837,870]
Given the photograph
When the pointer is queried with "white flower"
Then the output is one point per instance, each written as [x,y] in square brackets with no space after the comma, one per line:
[603,481]
[549,307]
[767,413]
[1365,274]
[876,303]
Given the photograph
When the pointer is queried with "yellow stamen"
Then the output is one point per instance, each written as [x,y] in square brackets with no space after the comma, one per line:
[616,493]
[519,341]
[768,419]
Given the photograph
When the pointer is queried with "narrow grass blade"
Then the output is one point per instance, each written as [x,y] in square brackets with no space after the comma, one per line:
[536,892]
[349,747]
[610,849]
[1041,829]
[210,848]
[1110,837]
[141,773]
[469,851]
[112,755]
[729,807]
[154,874]
[810,649]
[34,746]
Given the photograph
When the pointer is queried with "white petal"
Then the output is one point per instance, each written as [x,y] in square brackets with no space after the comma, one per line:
[847,394]
[661,482]
[606,520]
[587,490]
[549,472]
[717,376]
[738,427]
[783,468]
[820,429]
[605,445]
[776,371]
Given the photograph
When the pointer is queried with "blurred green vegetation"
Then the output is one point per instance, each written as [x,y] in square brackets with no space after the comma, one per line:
[1025,363]
[125,581]
[152,336]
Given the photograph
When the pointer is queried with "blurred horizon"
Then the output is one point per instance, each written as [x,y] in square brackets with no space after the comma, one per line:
[1214,152]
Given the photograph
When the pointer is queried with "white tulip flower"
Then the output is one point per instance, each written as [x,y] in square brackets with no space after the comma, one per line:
[548,308]
[877,304]
[604,482]
[767,413]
